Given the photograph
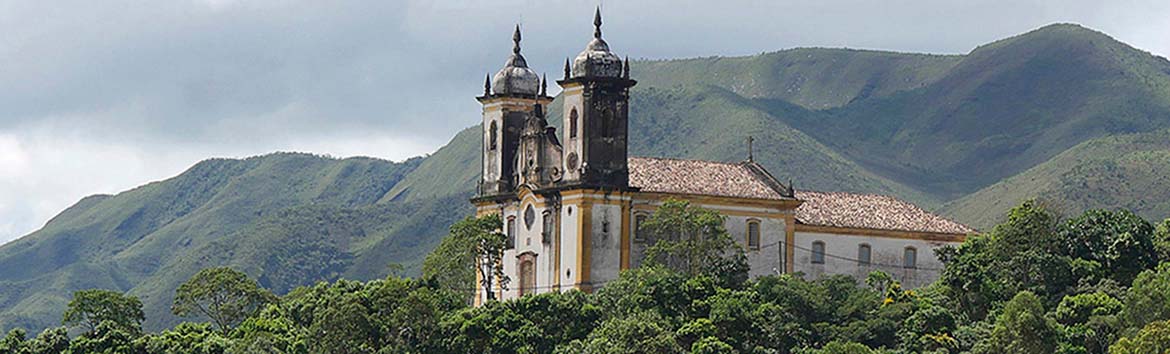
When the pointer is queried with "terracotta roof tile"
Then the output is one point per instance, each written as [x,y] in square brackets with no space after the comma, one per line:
[871,212]
[698,178]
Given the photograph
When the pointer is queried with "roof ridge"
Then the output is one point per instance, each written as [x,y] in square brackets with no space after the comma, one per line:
[769,180]
[851,193]
[682,159]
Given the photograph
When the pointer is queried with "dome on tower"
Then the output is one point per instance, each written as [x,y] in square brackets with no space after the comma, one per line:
[596,60]
[516,78]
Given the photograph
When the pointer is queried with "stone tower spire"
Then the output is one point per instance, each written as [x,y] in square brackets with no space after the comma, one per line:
[516,40]
[487,85]
[597,23]
[596,116]
[508,100]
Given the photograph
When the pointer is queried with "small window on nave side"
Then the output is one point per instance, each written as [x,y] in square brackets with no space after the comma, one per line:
[753,234]
[818,252]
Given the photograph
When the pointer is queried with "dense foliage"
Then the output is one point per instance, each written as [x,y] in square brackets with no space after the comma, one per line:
[1029,286]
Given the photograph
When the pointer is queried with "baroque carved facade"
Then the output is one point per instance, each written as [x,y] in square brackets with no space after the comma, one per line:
[571,202]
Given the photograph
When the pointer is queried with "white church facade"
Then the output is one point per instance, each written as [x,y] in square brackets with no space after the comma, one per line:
[572,201]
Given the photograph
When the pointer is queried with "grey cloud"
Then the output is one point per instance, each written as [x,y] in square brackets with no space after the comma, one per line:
[169,82]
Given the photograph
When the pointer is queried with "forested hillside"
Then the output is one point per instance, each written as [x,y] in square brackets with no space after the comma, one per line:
[1063,113]
[293,218]
[1119,172]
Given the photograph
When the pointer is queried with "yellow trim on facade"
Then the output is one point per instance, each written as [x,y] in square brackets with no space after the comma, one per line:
[585,246]
[789,241]
[750,214]
[721,200]
[556,274]
[900,234]
[479,294]
[625,238]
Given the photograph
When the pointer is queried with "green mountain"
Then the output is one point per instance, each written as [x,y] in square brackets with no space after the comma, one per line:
[290,219]
[1118,172]
[1062,113]
[1005,107]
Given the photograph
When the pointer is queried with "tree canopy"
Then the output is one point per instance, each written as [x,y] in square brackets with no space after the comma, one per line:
[1027,286]
[224,295]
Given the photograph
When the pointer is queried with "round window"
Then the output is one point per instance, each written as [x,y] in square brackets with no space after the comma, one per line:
[572,163]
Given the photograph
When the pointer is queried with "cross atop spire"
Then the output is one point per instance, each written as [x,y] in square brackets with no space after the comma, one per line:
[516,40]
[597,23]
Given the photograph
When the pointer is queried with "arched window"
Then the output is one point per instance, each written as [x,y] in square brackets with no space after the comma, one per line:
[818,252]
[863,254]
[910,258]
[639,234]
[527,276]
[511,232]
[753,234]
[573,123]
[493,135]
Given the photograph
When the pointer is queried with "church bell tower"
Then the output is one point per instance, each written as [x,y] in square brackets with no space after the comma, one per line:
[509,98]
[596,92]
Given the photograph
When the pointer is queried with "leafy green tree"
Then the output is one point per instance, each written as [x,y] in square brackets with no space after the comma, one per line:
[692,240]
[1079,308]
[14,342]
[1021,328]
[880,281]
[647,288]
[1090,320]
[455,262]
[1021,254]
[51,340]
[1153,338]
[108,337]
[90,308]
[645,332]
[928,329]
[1121,241]
[224,295]
[1161,241]
[187,337]
[542,323]
[270,331]
[1148,300]
[711,345]
[355,317]
[836,347]
[475,247]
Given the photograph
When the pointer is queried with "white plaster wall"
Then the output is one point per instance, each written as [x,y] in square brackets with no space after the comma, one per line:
[767,259]
[606,244]
[570,218]
[528,240]
[491,167]
[886,255]
[572,99]
[509,258]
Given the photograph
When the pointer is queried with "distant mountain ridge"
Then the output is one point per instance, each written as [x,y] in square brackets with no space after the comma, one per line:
[1063,113]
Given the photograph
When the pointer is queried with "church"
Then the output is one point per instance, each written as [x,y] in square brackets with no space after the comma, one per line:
[572,201]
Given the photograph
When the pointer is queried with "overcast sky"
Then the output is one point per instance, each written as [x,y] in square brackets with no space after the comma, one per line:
[103,96]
